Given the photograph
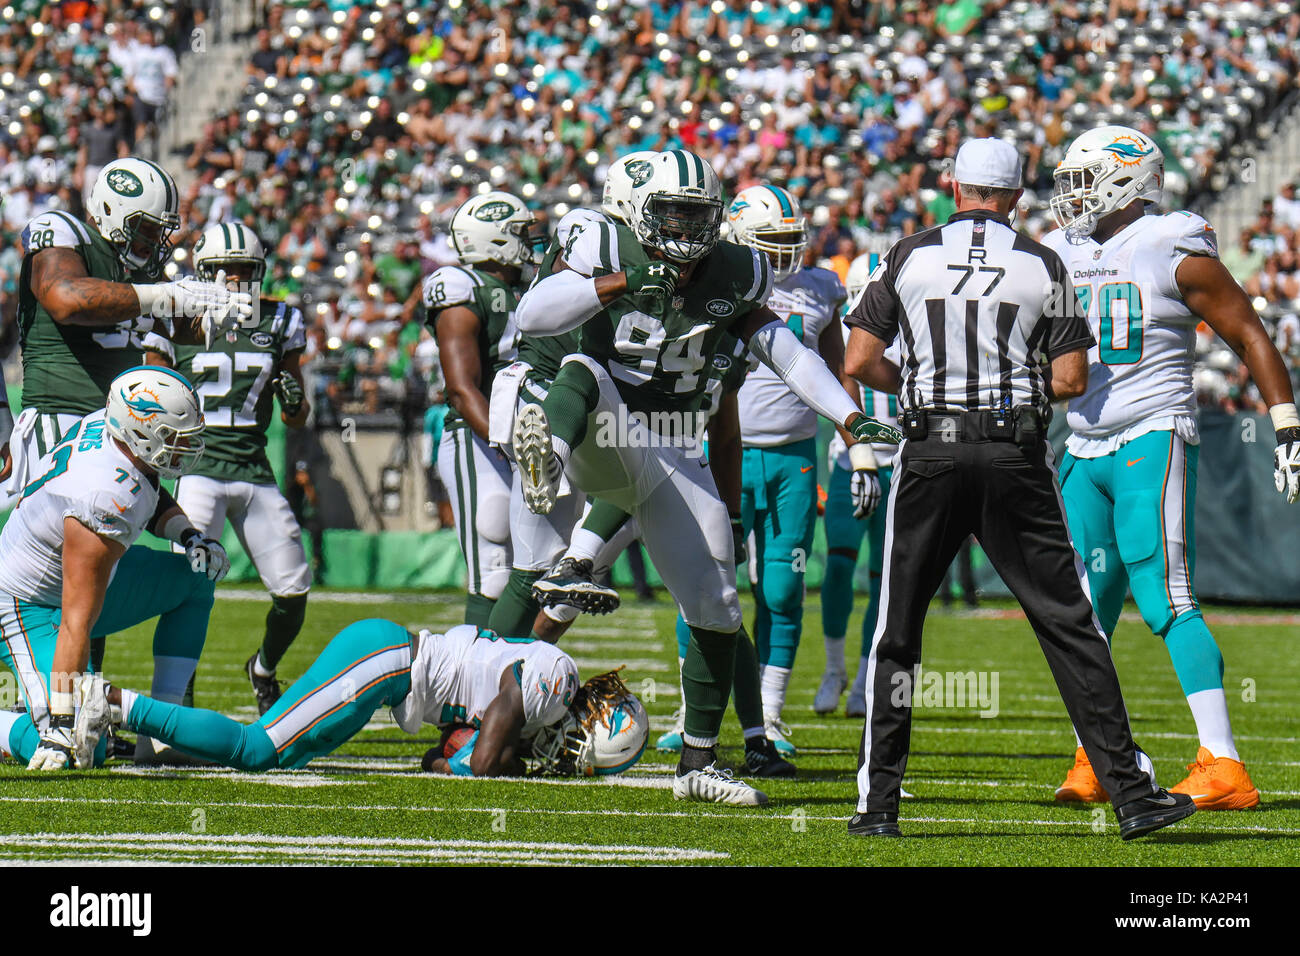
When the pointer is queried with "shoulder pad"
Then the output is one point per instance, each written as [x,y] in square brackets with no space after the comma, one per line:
[54,229]
[448,286]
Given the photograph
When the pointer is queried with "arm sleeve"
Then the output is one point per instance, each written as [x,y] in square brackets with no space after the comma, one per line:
[1069,329]
[878,309]
[557,304]
[803,371]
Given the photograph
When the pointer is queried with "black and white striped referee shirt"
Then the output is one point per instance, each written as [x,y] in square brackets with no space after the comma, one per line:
[980,308]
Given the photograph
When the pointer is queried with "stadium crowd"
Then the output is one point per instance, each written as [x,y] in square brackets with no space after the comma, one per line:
[363,125]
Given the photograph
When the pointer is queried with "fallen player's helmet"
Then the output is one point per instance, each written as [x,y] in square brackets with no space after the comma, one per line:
[135,205]
[495,226]
[625,173]
[604,731]
[1105,169]
[767,218]
[678,208]
[229,247]
[156,413]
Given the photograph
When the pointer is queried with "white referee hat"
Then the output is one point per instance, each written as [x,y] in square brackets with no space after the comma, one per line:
[988,162]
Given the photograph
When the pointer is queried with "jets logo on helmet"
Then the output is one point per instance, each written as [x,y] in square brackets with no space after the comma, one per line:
[604,732]
[625,174]
[496,227]
[1104,170]
[678,209]
[156,413]
[767,218]
[233,248]
[134,204]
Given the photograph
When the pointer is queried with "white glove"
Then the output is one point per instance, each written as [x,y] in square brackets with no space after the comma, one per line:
[1286,464]
[206,555]
[864,485]
[218,309]
[57,746]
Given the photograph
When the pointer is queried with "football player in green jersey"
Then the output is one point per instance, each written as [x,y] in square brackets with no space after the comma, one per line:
[82,291]
[470,309]
[651,305]
[236,376]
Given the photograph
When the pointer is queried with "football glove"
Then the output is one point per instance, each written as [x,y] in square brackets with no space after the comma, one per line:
[864,485]
[57,745]
[866,429]
[654,278]
[206,555]
[289,390]
[738,540]
[1286,464]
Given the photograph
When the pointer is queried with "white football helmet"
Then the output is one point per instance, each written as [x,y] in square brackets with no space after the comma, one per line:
[625,173]
[678,208]
[495,227]
[604,732]
[767,218]
[135,205]
[859,274]
[156,413]
[229,246]
[1105,169]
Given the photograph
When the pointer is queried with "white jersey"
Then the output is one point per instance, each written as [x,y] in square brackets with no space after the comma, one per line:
[1140,369]
[455,676]
[87,477]
[770,414]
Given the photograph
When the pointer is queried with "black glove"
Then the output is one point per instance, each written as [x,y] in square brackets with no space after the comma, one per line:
[738,540]
[289,390]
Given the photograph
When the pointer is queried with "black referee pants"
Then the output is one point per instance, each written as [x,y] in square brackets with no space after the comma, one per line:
[1009,499]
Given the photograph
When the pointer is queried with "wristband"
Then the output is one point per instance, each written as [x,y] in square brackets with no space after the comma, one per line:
[1284,415]
[861,457]
[60,703]
[178,529]
[151,296]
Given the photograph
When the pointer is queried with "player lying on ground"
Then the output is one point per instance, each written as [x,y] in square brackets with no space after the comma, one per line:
[237,375]
[520,696]
[1129,477]
[651,305]
[68,571]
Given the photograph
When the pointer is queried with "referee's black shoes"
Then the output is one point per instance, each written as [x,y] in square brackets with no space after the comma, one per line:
[1147,814]
[875,824]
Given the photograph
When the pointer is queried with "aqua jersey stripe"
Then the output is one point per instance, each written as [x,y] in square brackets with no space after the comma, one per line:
[786,209]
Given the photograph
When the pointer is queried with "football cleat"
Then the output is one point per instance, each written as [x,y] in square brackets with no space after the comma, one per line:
[779,733]
[1081,784]
[94,717]
[762,760]
[856,705]
[267,689]
[1218,783]
[827,700]
[712,785]
[671,742]
[538,466]
[875,824]
[572,582]
[1147,814]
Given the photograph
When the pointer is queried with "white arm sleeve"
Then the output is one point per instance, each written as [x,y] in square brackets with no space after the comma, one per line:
[803,371]
[557,304]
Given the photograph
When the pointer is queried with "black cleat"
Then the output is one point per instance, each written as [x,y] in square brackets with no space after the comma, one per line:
[1147,814]
[762,760]
[119,747]
[267,689]
[875,824]
[572,582]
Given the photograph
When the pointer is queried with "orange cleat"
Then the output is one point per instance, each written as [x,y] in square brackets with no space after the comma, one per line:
[1218,784]
[1081,783]
[822,497]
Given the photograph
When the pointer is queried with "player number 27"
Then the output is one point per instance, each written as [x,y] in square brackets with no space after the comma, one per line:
[215,413]
[1118,303]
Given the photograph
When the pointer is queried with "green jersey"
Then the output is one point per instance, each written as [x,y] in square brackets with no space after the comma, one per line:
[493,301]
[233,379]
[660,354]
[545,353]
[67,368]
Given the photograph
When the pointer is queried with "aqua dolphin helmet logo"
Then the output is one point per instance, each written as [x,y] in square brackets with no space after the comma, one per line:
[1128,151]
[617,718]
[143,405]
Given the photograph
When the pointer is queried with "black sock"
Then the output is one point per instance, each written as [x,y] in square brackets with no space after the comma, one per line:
[97,647]
[695,758]
[283,622]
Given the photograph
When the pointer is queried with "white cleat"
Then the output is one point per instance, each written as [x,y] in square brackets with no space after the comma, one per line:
[778,731]
[712,785]
[827,700]
[856,705]
[538,466]
[94,714]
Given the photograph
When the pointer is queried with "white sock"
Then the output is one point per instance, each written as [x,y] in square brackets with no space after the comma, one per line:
[834,654]
[584,545]
[704,743]
[258,669]
[7,720]
[860,679]
[128,701]
[170,677]
[560,448]
[751,732]
[775,680]
[1210,711]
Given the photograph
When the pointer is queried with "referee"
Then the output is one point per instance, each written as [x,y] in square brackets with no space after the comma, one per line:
[992,332]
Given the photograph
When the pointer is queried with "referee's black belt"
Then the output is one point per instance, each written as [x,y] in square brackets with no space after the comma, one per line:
[1023,424]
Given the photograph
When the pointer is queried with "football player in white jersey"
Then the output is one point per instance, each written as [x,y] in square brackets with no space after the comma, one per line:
[779,435]
[855,506]
[521,698]
[68,571]
[1129,479]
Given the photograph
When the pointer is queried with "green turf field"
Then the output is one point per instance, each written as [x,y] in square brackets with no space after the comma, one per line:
[983,786]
